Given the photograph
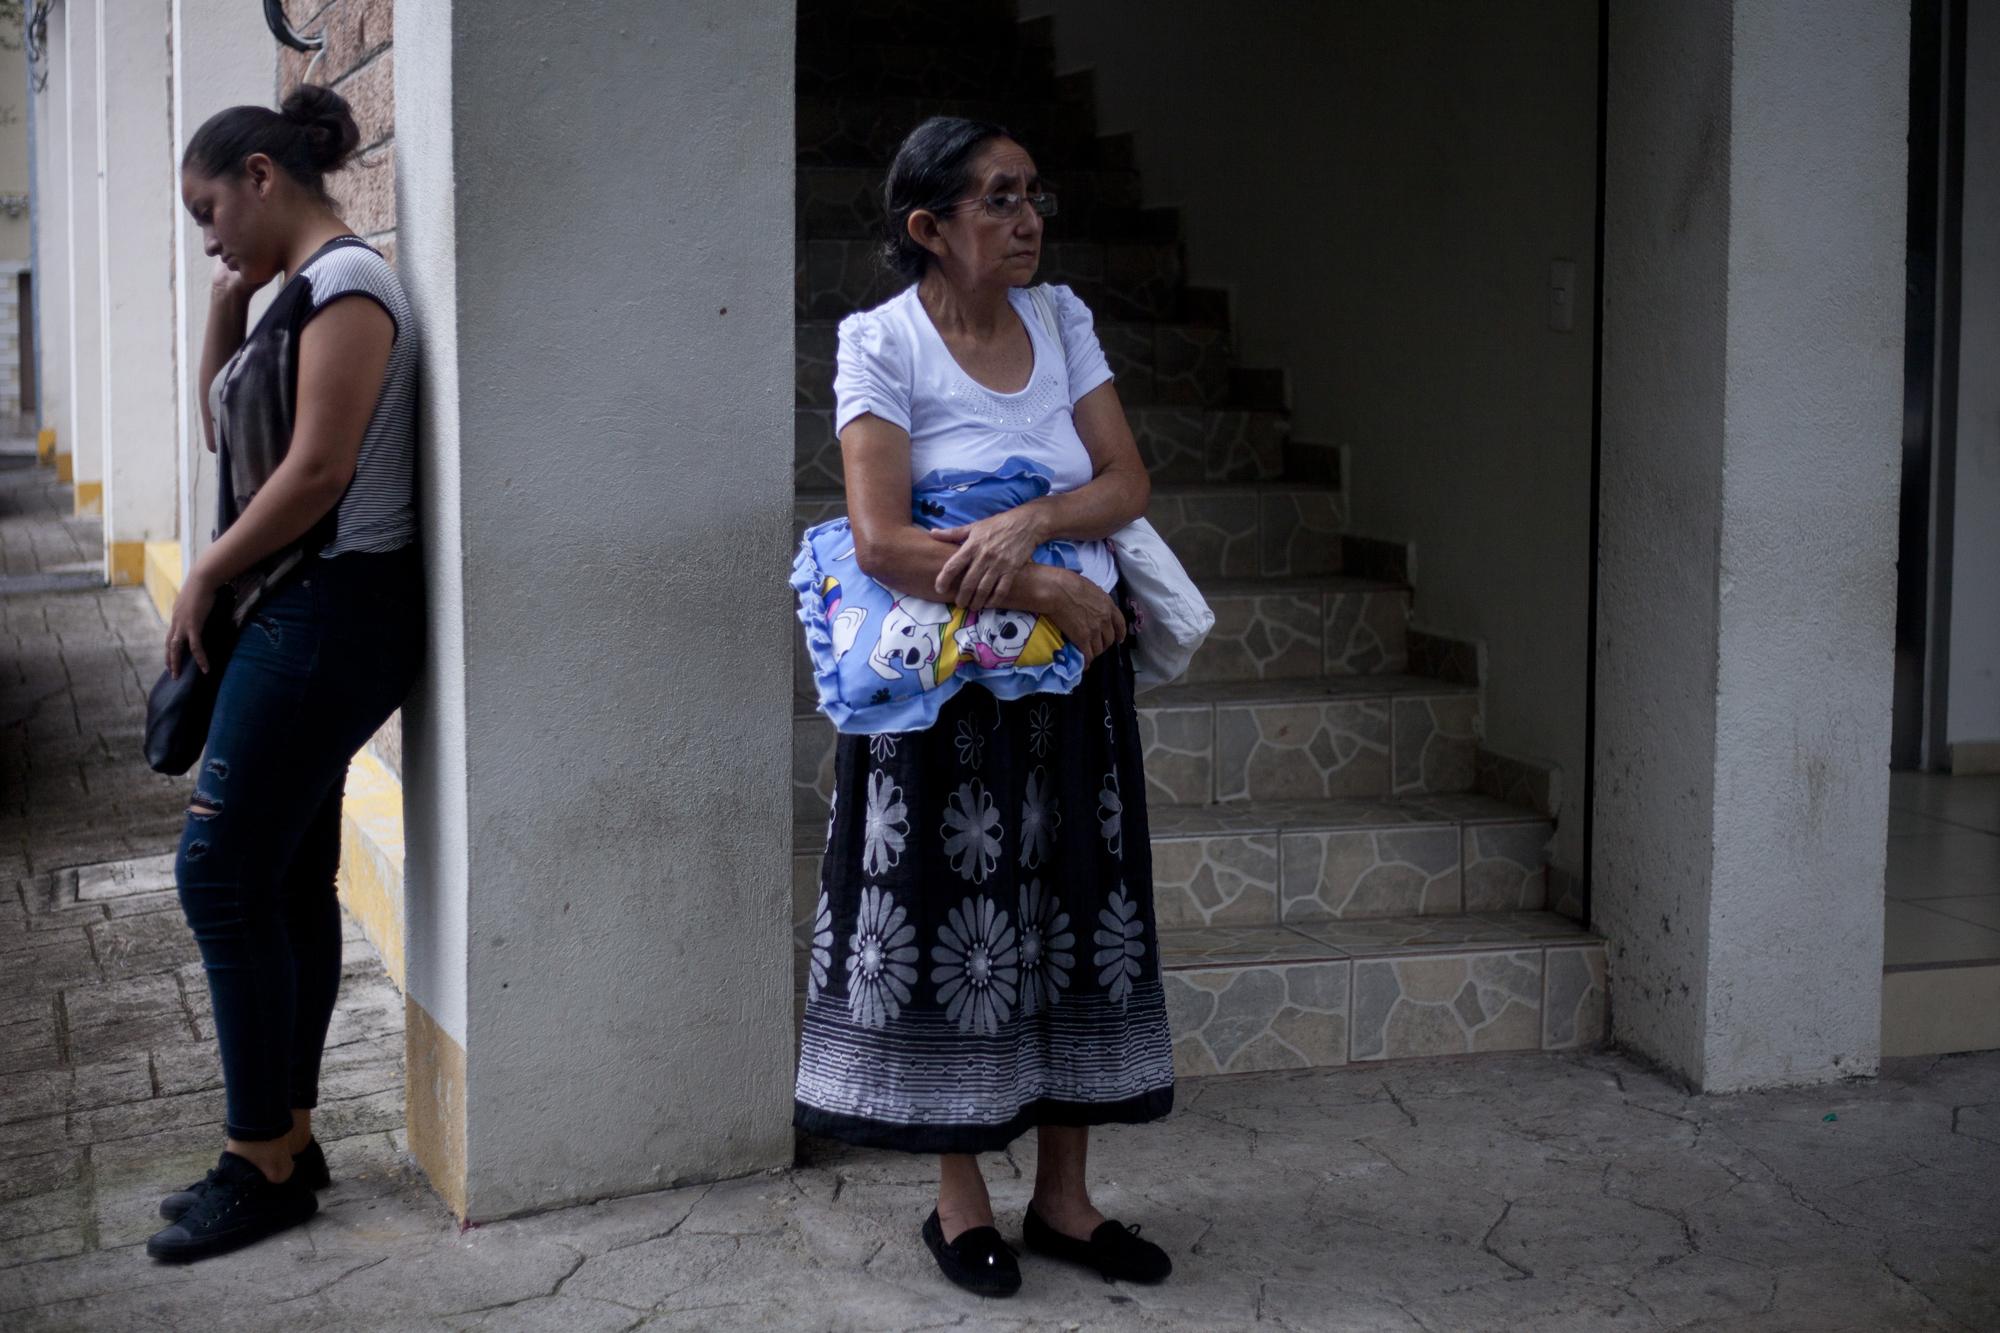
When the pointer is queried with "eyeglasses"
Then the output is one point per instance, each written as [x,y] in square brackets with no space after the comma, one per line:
[1001,207]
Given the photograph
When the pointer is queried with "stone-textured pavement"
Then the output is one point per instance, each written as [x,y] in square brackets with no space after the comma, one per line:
[1532,1192]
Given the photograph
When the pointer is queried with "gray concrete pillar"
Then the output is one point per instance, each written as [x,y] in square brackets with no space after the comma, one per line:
[595,224]
[1753,332]
[138,194]
[223,56]
[82,147]
[52,244]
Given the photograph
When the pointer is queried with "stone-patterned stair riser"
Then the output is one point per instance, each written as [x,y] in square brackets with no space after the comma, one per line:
[907,69]
[1117,280]
[845,203]
[1291,632]
[1163,365]
[1300,875]
[975,25]
[1180,445]
[1258,750]
[1242,531]
[1248,1000]
[1301,630]
[1226,531]
[1059,127]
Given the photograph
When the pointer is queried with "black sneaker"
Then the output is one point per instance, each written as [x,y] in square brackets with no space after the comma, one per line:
[308,1167]
[236,1207]
[1114,1250]
[978,1260]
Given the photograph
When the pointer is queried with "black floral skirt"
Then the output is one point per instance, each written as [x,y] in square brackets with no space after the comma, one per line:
[984,957]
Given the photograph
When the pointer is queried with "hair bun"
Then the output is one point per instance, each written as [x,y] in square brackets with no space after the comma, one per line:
[327,122]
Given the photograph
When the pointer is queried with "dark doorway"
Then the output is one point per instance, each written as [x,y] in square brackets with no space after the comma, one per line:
[1930,383]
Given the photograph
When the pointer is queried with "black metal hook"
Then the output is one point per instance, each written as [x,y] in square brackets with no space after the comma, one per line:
[282,29]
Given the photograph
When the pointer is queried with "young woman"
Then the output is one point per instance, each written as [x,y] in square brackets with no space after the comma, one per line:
[311,416]
[985,959]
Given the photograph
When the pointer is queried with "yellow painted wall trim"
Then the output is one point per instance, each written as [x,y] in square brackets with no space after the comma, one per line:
[434,1102]
[128,564]
[63,473]
[89,497]
[163,575]
[45,444]
[371,858]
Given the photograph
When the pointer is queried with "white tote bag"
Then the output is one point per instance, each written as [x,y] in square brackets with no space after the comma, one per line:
[1174,617]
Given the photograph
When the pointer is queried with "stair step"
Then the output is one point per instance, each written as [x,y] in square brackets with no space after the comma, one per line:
[1290,629]
[1177,444]
[976,26]
[915,69]
[1249,998]
[1233,530]
[1301,863]
[1245,531]
[1354,736]
[866,131]
[1246,999]
[1118,280]
[845,203]
[1158,364]
[1272,629]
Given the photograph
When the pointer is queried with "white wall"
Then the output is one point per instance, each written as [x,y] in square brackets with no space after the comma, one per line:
[138,196]
[1973,697]
[435,808]
[223,57]
[597,768]
[1382,188]
[1752,401]
[52,238]
[86,349]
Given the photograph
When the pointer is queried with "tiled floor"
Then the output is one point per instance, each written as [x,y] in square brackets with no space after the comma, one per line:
[1941,945]
[1944,869]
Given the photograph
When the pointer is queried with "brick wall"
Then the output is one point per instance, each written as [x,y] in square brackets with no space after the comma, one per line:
[358,64]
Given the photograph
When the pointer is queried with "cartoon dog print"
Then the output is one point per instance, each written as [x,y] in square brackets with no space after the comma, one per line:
[912,634]
[996,637]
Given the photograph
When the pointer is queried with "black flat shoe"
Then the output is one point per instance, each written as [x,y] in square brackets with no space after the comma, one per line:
[1114,1250]
[236,1207]
[308,1167]
[979,1260]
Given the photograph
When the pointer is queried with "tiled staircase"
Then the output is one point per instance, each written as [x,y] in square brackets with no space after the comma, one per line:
[1329,885]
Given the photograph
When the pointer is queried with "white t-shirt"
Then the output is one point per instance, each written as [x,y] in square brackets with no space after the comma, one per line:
[893,362]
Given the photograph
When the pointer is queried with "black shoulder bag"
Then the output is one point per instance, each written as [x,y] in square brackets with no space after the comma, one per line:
[179,708]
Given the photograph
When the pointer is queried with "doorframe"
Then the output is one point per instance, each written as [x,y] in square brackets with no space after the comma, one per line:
[1929,464]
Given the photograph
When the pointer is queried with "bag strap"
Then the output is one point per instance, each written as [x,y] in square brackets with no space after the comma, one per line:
[1045,306]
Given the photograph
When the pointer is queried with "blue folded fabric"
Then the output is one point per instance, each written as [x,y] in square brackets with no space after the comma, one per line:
[887,663]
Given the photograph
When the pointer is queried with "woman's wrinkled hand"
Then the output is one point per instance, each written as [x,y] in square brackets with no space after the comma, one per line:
[991,553]
[191,607]
[1085,614]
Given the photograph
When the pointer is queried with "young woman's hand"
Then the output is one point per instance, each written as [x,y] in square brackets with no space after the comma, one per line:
[191,607]
[226,284]
[990,555]
[1084,612]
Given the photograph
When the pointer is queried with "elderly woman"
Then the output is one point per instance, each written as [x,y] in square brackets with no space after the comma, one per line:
[985,958]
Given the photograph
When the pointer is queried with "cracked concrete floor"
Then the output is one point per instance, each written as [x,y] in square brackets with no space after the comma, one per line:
[1534,1192]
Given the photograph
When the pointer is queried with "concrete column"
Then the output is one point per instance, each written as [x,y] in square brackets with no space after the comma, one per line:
[52,246]
[599,985]
[86,347]
[138,195]
[1752,404]
[222,57]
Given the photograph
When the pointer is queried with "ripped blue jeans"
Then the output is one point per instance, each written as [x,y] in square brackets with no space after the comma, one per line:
[318,668]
